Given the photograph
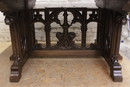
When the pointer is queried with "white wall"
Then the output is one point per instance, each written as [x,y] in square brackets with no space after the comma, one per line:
[65,3]
[4,30]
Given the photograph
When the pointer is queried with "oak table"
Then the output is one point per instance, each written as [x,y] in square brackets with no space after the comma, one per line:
[21,15]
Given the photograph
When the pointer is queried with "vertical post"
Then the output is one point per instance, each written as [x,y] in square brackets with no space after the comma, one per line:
[16,21]
[111,42]
[84,29]
[47,30]
[114,52]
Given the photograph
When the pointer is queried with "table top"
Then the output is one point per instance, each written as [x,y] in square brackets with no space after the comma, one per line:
[112,4]
[13,5]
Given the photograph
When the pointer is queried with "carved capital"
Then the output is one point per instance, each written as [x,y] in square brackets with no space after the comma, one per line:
[121,19]
[9,18]
[124,19]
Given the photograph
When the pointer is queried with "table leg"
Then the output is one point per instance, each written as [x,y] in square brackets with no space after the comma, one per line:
[111,42]
[18,29]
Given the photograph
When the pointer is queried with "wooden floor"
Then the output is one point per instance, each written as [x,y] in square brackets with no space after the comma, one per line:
[61,72]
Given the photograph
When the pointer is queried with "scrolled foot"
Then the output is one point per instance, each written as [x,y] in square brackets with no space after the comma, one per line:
[15,74]
[116,73]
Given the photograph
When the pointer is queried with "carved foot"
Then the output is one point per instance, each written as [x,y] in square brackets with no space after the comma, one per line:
[116,73]
[15,73]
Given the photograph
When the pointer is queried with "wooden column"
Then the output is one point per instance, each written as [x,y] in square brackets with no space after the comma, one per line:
[18,30]
[111,41]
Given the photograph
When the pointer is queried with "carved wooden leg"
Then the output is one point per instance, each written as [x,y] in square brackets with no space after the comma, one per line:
[116,72]
[19,37]
[111,43]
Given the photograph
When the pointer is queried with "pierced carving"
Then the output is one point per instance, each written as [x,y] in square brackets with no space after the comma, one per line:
[38,17]
[93,17]
[66,38]
[65,41]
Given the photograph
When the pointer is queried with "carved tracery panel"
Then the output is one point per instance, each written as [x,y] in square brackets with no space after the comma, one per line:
[65,18]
